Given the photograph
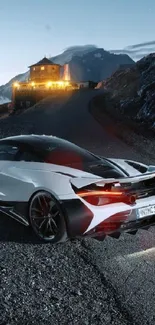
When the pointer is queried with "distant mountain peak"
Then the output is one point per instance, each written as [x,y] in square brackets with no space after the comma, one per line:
[80,47]
[70,52]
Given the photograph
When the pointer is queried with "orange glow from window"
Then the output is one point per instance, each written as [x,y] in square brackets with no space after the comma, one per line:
[42,68]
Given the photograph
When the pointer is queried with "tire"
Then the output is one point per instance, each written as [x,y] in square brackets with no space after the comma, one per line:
[46,218]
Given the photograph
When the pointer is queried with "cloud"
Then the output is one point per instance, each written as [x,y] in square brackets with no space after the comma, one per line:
[79,47]
[137,51]
[143,49]
[137,57]
[140,44]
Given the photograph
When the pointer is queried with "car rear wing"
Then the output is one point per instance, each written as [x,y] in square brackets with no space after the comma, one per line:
[80,182]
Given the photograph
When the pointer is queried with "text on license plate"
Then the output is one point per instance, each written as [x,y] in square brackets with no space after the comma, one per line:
[147,211]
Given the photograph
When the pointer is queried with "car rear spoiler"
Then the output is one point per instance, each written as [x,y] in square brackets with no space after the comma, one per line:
[80,182]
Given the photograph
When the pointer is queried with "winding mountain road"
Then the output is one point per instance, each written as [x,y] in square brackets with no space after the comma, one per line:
[68,117]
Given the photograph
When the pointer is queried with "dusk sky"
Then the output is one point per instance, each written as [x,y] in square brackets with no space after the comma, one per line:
[32,29]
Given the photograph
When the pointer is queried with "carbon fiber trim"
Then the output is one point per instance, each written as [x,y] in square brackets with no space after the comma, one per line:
[15,210]
[78,217]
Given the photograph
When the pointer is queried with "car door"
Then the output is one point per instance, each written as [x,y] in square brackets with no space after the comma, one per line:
[8,153]
[15,183]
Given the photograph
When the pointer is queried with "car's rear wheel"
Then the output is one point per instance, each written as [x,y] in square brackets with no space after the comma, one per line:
[46,217]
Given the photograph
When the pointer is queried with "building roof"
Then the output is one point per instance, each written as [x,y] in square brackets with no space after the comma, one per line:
[44,61]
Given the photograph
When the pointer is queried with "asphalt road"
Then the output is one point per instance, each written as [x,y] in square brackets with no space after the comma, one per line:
[85,282]
[68,117]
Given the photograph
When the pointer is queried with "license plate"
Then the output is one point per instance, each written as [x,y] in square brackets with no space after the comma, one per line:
[147,211]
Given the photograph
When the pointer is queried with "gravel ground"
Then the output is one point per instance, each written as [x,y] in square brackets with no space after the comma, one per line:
[44,284]
[73,283]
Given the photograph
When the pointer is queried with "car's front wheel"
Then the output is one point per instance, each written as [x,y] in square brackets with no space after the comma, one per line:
[46,217]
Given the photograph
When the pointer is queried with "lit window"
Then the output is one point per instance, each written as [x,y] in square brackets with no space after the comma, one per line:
[34,69]
[42,68]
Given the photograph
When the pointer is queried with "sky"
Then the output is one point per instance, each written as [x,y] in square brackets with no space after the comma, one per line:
[31,29]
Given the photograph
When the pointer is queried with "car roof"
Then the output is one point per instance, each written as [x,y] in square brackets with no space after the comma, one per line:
[42,142]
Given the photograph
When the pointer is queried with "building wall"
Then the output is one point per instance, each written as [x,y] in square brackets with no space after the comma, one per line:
[45,73]
[24,98]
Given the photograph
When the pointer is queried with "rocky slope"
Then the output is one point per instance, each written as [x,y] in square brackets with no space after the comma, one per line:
[132,91]
[85,63]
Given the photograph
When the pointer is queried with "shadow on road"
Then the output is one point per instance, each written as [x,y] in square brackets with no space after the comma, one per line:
[13,231]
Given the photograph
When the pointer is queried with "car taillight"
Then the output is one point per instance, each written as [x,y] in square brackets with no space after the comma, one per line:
[100,193]
[99,198]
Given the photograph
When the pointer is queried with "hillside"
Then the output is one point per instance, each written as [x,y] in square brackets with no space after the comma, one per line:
[132,91]
[85,63]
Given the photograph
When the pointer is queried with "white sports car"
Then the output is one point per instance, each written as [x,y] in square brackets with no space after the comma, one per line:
[65,192]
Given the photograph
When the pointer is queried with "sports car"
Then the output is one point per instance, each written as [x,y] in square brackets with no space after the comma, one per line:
[65,192]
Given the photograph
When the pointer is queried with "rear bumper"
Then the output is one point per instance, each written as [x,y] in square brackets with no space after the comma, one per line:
[138,224]
[84,219]
[128,227]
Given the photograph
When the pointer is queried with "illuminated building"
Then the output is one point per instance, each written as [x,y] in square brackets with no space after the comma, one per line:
[44,71]
[44,78]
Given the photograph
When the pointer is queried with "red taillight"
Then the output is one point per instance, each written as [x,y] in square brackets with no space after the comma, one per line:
[104,193]
[99,198]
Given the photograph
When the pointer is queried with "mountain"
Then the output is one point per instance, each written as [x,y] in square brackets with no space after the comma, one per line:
[132,91]
[96,65]
[4,100]
[85,62]
[72,51]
